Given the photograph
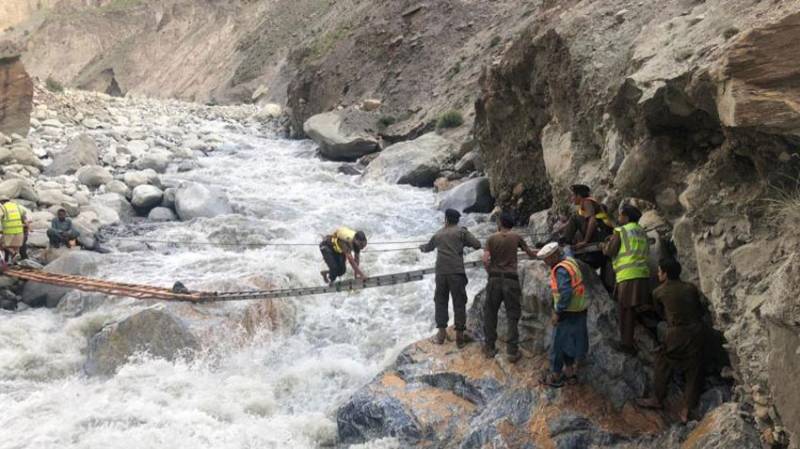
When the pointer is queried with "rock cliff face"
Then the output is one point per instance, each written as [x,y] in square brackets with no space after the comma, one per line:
[623,97]
[16,92]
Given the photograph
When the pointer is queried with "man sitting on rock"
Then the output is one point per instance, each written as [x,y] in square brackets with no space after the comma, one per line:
[61,231]
[343,246]
[683,345]
[13,217]
[500,261]
[451,278]
[570,334]
[590,224]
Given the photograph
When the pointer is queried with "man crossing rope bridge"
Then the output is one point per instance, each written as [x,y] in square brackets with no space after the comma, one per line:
[342,246]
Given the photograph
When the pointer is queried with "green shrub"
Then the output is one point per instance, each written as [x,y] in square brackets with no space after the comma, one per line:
[495,40]
[386,121]
[450,119]
[53,85]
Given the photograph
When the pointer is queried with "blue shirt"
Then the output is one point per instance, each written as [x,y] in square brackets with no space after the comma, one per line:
[564,289]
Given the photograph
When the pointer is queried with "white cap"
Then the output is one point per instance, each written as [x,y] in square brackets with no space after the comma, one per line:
[548,250]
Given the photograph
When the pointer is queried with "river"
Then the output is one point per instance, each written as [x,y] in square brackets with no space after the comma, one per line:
[273,390]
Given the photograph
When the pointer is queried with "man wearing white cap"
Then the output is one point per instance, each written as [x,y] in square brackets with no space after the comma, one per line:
[570,335]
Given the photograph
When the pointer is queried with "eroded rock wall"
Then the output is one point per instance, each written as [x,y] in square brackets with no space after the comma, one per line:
[16,92]
[690,109]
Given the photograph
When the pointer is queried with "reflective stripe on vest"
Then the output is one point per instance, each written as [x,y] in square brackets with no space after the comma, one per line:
[600,214]
[12,219]
[634,250]
[344,234]
[578,301]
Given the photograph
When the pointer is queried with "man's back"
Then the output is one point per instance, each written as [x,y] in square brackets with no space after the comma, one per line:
[503,247]
[681,302]
[449,243]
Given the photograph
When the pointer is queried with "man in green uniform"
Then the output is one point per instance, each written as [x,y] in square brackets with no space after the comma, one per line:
[630,249]
[680,305]
[500,261]
[342,246]
[451,278]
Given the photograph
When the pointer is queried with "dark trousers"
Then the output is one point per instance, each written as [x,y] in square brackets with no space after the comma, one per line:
[57,239]
[691,368]
[502,290]
[454,285]
[336,262]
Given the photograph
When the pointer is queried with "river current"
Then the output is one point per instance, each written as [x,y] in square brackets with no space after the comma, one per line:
[271,390]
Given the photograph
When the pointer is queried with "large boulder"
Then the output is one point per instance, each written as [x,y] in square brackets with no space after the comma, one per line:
[156,332]
[472,196]
[137,178]
[146,197]
[417,162]
[161,214]
[16,92]
[75,262]
[117,203]
[196,200]
[80,151]
[52,197]
[18,188]
[338,137]
[94,176]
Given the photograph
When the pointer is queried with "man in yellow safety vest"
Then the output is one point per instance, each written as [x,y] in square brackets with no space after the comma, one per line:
[570,335]
[630,249]
[342,246]
[13,218]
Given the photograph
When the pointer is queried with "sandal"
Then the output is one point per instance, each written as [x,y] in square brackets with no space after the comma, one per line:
[552,381]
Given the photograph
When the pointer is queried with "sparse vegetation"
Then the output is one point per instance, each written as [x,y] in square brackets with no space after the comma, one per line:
[450,119]
[730,32]
[53,85]
[495,41]
[386,121]
[783,205]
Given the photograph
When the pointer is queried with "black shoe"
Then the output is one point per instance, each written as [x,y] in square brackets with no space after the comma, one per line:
[514,357]
[489,352]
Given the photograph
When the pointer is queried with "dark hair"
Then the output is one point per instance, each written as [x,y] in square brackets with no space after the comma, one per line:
[360,236]
[62,210]
[452,216]
[632,212]
[581,190]
[507,220]
[671,267]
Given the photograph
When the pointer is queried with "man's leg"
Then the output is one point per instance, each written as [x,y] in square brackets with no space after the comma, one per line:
[458,289]
[511,299]
[573,231]
[441,299]
[54,237]
[341,266]
[693,371]
[490,309]
[626,327]
[327,256]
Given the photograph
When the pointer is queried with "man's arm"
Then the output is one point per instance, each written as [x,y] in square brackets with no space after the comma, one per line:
[611,247]
[486,258]
[523,245]
[470,240]
[354,264]
[430,246]
[564,289]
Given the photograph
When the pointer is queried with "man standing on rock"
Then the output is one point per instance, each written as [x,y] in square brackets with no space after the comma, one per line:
[590,224]
[500,261]
[570,334]
[61,231]
[683,345]
[629,249]
[451,278]
[343,246]
[13,218]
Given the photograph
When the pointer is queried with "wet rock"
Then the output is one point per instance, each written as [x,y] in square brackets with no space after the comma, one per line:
[169,197]
[338,140]
[23,155]
[16,91]
[161,214]
[417,162]
[18,188]
[723,428]
[74,262]
[196,201]
[146,197]
[156,332]
[59,199]
[156,159]
[118,187]
[137,178]
[473,195]
[80,151]
[118,204]
[94,176]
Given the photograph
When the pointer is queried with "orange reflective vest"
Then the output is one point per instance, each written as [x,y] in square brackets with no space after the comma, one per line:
[578,301]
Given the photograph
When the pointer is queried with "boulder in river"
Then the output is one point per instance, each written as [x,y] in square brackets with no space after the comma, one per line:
[196,200]
[94,176]
[80,151]
[156,332]
[145,197]
[118,203]
[471,196]
[417,162]
[74,262]
[161,214]
[137,178]
[340,138]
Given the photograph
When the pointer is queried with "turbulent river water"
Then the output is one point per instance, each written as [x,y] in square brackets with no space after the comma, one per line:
[271,390]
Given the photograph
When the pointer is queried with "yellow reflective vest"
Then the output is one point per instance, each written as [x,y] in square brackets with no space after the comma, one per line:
[578,301]
[12,219]
[634,250]
[344,234]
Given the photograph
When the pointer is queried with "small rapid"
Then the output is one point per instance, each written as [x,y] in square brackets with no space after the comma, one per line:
[259,390]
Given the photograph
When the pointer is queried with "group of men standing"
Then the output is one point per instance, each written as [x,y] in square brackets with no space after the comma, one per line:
[620,252]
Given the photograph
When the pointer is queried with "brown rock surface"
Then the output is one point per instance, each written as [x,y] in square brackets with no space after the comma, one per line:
[16,92]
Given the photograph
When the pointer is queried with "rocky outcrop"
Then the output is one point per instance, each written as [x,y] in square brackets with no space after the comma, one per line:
[151,331]
[79,152]
[198,201]
[417,162]
[16,91]
[693,134]
[342,136]
[473,195]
